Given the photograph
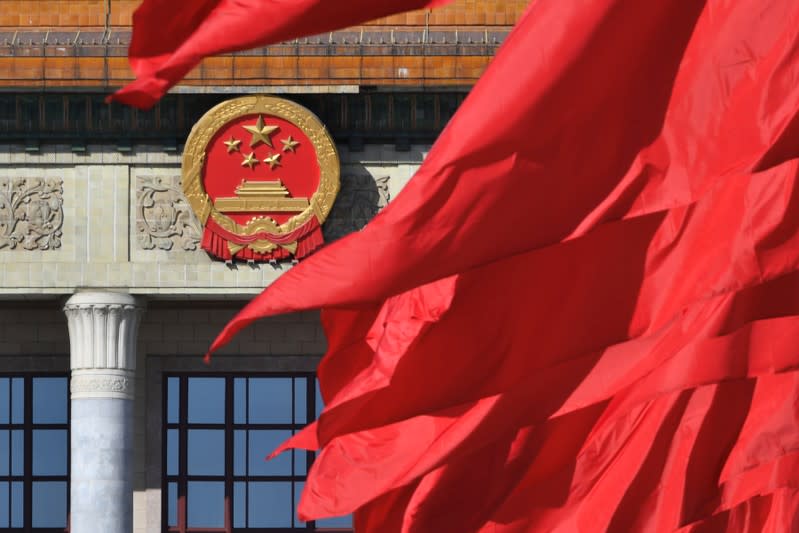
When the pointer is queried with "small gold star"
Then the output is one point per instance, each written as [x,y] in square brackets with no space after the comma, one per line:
[249,161]
[273,161]
[289,144]
[232,145]
[260,133]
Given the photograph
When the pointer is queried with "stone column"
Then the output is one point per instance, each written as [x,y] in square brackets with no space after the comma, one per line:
[102,338]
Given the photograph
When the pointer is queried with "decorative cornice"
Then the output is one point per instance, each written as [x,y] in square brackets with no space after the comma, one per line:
[102,384]
[102,330]
[408,40]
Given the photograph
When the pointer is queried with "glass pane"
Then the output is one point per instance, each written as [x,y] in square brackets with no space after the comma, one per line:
[29,112]
[402,112]
[172,400]
[336,522]
[8,112]
[121,117]
[206,452]
[239,401]
[53,113]
[320,404]
[49,400]
[17,452]
[270,401]
[300,403]
[49,452]
[167,114]
[239,503]
[206,400]
[5,514]
[262,443]
[77,113]
[333,110]
[17,504]
[101,114]
[5,400]
[239,453]
[356,112]
[172,443]
[297,493]
[379,109]
[49,504]
[172,504]
[447,105]
[300,462]
[145,120]
[5,451]
[269,504]
[17,401]
[425,111]
[206,504]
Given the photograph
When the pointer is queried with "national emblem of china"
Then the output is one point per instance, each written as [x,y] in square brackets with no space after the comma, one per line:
[261,174]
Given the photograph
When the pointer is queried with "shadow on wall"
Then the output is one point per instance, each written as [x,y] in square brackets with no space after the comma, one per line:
[361,197]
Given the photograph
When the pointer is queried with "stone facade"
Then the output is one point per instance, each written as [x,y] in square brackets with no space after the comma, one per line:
[117,225]
[118,220]
[172,337]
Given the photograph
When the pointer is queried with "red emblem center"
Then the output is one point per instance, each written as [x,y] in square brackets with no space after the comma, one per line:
[259,160]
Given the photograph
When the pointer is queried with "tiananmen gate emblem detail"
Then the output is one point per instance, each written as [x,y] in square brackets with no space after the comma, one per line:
[261,174]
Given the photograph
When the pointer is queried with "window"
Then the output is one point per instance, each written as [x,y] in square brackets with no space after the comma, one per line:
[28,112]
[356,112]
[34,453]
[8,112]
[380,111]
[425,111]
[402,112]
[217,431]
[100,115]
[53,113]
[77,112]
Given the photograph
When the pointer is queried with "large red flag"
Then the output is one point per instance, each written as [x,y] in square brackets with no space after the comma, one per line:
[582,313]
[171,37]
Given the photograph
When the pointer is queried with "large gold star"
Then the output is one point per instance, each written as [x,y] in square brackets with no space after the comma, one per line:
[260,133]
[232,145]
[289,144]
[273,161]
[249,161]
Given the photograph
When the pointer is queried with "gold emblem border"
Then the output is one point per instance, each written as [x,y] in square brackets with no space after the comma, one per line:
[320,203]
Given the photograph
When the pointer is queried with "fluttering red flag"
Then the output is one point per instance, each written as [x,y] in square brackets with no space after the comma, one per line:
[582,313]
[170,38]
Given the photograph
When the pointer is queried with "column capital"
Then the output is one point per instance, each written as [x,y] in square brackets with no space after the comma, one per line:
[102,338]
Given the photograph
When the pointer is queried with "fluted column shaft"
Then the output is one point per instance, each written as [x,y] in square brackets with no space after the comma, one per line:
[102,338]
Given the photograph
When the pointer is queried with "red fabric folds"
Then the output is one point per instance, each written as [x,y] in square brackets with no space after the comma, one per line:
[171,38]
[582,313]
[308,238]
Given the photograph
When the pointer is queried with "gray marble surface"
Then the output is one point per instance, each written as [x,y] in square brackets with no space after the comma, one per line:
[102,465]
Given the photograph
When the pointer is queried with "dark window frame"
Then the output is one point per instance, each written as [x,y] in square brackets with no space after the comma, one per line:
[28,426]
[183,426]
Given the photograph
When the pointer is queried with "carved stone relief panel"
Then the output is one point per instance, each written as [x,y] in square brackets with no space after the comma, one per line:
[31,213]
[360,199]
[164,219]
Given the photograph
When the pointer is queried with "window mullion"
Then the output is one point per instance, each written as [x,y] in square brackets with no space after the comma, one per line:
[229,454]
[183,436]
[27,467]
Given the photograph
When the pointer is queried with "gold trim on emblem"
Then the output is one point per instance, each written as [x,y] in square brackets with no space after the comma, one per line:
[319,204]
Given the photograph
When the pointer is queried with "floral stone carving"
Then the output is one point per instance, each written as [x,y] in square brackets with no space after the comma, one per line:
[31,213]
[163,217]
[360,199]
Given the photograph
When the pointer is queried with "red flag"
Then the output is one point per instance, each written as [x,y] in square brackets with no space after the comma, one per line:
[171,38]
[582,313]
